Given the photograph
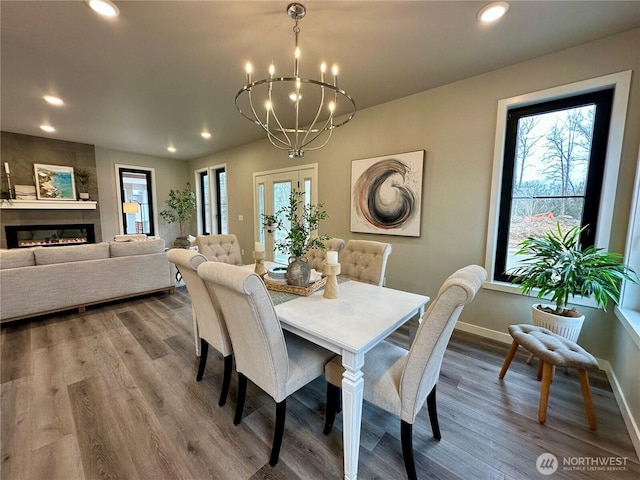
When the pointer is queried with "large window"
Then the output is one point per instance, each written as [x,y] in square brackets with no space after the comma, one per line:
[556,160]
[136,200]
[553,167]
[212,201]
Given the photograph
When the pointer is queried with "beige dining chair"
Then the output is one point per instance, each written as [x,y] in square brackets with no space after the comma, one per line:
[220,248]
[316,256]
[399,381]
[365,261]
[207,316]
[278,362]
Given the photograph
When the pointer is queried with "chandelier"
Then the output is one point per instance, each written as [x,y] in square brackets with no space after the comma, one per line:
[296,113]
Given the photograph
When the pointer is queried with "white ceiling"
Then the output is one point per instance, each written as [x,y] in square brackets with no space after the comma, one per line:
[164,70]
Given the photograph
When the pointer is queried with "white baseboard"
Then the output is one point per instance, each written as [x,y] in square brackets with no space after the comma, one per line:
[629,421]
[484,332]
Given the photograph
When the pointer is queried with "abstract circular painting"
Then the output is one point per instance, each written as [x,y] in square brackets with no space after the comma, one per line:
[386,194]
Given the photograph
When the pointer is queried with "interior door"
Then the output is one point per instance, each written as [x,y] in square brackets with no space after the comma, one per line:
[272,190]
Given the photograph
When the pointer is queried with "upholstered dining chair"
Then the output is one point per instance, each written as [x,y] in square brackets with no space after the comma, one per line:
[220,248]
[365,261]
[399,381]
[207,316]
[278,362]
[316,256]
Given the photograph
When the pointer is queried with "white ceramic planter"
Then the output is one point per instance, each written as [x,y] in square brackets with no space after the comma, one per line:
[568,327]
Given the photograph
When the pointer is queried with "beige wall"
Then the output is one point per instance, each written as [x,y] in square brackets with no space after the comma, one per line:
[170,174]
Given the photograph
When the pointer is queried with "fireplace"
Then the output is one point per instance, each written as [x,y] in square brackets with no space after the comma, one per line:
[23,236]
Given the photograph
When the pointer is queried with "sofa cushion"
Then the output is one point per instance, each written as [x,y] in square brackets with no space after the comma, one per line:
[16,258]
[76,253]
[126,249]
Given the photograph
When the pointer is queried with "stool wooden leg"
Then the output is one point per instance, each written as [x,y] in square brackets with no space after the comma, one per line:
[586,394]
[530,358]
[507,360]
[544,391]
[539,374]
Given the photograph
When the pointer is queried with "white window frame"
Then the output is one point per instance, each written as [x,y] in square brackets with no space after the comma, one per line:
[118,166]
[621,82]
[629,310]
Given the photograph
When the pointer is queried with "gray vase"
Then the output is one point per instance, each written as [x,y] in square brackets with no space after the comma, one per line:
[298,272]
[181,242]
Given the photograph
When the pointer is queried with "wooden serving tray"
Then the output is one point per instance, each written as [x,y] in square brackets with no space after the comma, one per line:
[306,291]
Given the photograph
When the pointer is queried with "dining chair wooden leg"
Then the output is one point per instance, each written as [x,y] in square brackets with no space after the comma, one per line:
[226,379]
[204,349]
[586,395]
[507,360]
[333,406]
[406,433]
[281,413]
[433,413]
[242,393]
[547,371]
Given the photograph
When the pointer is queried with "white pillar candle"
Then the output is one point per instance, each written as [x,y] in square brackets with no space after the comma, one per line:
[6,167]
[259,247]
[332,257]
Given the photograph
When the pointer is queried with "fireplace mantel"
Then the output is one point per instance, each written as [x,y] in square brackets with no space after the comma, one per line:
[48,205]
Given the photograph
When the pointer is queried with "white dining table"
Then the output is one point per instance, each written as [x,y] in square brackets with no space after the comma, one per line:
[350,326]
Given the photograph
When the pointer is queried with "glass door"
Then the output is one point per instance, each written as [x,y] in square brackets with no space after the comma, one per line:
[272,192]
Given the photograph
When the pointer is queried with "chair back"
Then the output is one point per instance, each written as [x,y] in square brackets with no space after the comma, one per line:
[422,367]
[211,324]
[256,335]
[365,261]
[316,256]
[220,248]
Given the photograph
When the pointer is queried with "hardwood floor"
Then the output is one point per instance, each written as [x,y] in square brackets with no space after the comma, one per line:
[111,393]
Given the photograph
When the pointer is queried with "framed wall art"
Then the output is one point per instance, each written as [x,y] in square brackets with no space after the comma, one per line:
[386,194]
[54,182]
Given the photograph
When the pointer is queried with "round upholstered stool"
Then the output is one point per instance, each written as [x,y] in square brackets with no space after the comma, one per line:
[552,351]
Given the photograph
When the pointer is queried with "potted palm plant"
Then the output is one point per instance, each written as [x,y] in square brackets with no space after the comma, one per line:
[84,179]
[556,265]
[181,205]
[298,219]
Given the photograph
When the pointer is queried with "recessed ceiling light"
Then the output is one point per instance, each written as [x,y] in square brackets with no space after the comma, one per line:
[103,7]
[172,149]
[205,134]
[50,99]
[47,128]
[493,11]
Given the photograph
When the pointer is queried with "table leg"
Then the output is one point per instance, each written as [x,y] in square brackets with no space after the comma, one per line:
[352,395]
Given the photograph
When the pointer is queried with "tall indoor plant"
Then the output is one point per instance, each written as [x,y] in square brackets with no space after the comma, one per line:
[181,205]
[557,265]
[298,219]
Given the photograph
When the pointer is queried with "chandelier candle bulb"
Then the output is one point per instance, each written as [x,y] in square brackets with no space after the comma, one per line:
[6,168]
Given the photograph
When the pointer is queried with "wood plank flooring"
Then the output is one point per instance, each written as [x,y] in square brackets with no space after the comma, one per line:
[111,393]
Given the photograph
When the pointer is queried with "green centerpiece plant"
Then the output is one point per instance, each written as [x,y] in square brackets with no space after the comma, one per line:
[181,205]
[557,266]
[298,220]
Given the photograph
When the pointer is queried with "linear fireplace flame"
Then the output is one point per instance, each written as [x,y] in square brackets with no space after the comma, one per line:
[23,236]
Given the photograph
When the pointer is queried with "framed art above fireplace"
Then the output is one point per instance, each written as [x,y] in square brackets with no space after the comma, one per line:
[54,182]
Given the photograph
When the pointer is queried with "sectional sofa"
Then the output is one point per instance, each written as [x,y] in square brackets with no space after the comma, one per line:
[39,280]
